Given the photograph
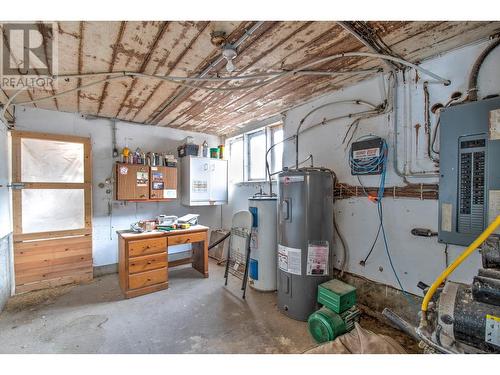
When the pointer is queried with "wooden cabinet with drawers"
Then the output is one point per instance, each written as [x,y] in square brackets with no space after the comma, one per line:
[143,265]
[136,182]
[143,257]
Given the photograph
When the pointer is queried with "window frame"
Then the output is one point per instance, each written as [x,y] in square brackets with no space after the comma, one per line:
[248,154]
[230,143]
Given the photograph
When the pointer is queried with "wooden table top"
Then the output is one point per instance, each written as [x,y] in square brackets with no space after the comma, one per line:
[129,234]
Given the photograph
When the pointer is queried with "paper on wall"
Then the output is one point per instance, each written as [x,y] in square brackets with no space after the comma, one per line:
[290,259]
[446,216]
[142,178]
[170,193]
[495,124]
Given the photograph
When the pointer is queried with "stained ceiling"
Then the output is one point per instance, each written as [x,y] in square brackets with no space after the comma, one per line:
[187,49]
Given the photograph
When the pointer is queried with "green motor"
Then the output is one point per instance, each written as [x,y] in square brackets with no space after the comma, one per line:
[325,325]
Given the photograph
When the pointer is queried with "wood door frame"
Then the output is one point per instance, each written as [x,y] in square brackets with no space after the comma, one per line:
[16,178]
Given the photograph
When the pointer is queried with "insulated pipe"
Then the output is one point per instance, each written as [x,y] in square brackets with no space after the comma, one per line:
[246,77]
[79,88]
[179,81]
[472,247]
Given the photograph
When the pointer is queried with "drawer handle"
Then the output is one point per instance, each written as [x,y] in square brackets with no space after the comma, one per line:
[187,239]
[150,261]
[148,247]
[149,279]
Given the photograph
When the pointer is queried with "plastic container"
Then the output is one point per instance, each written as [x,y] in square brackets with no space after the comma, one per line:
[214,152]
[187,149]
[221,151]
[204,148]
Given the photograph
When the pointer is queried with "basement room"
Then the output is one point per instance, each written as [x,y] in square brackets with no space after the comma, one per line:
[249,183]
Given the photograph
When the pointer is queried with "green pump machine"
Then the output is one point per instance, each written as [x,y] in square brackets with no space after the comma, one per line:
[338,314]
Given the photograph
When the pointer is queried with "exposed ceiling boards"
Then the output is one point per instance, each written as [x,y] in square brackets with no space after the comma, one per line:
[185,49]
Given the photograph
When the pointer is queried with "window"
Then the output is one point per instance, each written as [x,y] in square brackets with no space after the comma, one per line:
[236,160]
[247,154]
[277,151]
[257,155]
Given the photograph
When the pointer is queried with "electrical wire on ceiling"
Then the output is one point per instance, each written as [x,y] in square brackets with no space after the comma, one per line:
[183,81]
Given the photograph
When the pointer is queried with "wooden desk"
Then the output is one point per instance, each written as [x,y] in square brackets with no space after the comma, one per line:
[143,258]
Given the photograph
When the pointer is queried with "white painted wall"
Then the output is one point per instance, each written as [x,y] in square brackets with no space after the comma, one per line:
[415,258]
[148,138]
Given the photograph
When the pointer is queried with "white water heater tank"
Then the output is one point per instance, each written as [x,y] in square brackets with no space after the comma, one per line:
[263,247]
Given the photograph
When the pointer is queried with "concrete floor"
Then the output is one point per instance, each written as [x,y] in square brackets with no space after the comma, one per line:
[195,315]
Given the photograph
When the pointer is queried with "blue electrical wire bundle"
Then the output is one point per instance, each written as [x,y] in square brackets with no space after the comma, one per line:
[371,166]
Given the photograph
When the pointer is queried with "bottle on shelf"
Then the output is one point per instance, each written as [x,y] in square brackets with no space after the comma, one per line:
[205,149]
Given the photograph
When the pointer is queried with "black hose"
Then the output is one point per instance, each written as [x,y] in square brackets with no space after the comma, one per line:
[472,91]
[427,120]
[267,162]
[211,246]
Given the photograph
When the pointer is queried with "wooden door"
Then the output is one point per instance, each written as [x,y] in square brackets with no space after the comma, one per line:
[132,182]
[163,184]
[52,209]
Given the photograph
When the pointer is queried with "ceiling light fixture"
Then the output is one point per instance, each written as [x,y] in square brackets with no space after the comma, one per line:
[229,53]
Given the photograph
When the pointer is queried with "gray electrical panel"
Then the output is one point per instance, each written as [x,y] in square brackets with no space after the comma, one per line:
[469,163]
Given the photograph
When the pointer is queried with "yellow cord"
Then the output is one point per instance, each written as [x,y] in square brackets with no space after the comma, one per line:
[472,247]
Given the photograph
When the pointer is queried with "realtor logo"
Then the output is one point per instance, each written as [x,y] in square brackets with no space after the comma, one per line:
[28,54]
